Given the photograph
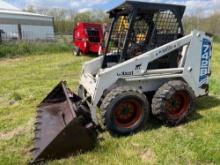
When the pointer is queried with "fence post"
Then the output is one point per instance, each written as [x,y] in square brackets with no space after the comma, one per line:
[1,32]
[0,35]
[19,32]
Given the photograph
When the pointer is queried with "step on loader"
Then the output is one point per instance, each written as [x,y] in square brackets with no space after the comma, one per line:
[148,66]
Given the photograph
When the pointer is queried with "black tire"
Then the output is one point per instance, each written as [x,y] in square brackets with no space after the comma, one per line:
[76,51]
[173,102]
[125,111]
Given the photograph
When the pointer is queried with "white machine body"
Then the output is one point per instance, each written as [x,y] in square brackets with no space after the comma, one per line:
[193,68]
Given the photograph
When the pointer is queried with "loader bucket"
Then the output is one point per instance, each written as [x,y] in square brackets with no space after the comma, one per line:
[62,127]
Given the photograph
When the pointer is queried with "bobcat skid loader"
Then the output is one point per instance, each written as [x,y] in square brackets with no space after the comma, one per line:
[149,66]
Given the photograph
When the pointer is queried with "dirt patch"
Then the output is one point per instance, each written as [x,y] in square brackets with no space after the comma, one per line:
[6,61]
[17,131]
[148,156]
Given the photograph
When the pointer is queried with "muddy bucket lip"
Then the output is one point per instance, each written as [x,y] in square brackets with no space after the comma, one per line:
[57,125]
[76,139]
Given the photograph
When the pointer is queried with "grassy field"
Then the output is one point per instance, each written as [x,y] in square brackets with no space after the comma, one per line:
[25,81]
[24,48]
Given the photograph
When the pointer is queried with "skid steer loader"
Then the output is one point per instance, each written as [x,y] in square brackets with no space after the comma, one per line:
[148,66]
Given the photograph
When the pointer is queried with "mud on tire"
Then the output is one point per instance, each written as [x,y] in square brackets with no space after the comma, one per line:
[125,110]
[173,102]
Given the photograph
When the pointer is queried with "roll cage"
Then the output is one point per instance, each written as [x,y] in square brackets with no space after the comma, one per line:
[138,27]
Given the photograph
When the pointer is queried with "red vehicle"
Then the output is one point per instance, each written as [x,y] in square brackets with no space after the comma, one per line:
[88,38]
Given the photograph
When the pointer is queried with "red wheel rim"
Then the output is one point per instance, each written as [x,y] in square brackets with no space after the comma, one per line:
[178,105]
[127,113]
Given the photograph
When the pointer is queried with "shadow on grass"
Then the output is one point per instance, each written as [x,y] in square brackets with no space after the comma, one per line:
[206,103]
[93,55]
[153,123]
[202,104]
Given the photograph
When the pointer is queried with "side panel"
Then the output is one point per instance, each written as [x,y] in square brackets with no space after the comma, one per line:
[80,38]
[205,62]
[93,66]
[133,68]
[144,85]
[197,65]
[32,32]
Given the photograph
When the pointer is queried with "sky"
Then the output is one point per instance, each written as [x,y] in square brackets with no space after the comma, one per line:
[193,6]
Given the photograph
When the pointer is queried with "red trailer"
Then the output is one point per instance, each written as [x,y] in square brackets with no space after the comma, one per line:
[87,38]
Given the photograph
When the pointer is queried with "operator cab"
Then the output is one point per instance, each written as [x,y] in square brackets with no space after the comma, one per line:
[138,27]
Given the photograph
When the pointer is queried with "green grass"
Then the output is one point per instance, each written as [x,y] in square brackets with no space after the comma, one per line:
[23,48]
[25,81]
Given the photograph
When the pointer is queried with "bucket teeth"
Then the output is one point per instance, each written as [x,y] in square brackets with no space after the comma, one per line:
[36,139]
[37,130]
[39,111]
[38,116]
[34,149]
[37,123]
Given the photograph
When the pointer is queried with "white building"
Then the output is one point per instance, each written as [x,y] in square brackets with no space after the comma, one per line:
[16,24]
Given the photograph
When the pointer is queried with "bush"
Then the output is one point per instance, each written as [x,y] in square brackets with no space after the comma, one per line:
[22,48]
[217,39]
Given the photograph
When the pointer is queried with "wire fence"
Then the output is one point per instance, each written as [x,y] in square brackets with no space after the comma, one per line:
[29,36]
[26,36]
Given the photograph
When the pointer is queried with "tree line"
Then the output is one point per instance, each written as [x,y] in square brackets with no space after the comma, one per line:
[208,24]
[66,19]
